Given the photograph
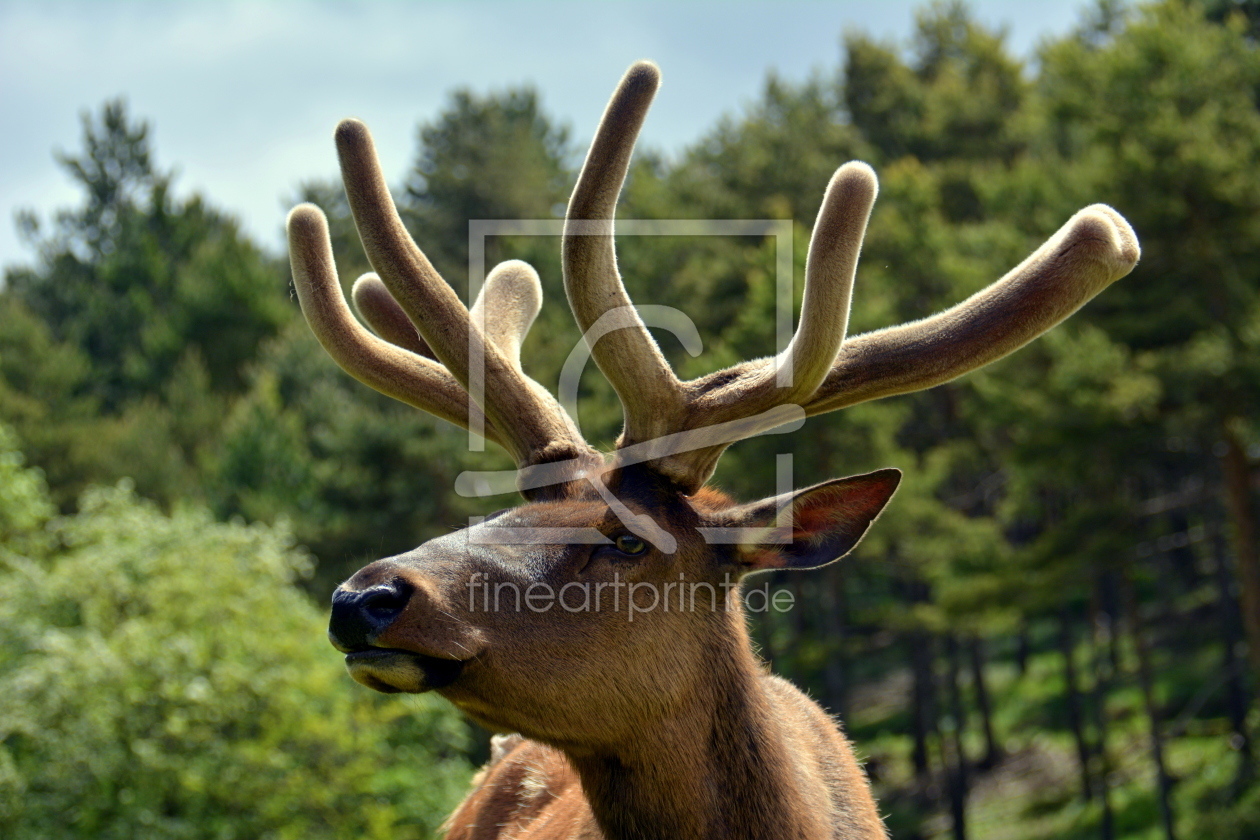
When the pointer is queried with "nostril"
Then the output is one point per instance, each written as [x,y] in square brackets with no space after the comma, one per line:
[359,616]
[384,603]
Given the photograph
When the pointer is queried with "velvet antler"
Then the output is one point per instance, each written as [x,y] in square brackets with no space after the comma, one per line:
[819,370]
[519,414]
[387,367]
[433,352]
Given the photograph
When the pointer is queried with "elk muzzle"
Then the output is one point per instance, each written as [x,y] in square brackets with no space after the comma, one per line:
[358,628]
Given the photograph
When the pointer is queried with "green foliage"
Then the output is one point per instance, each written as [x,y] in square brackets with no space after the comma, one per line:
[357,474]
[1165,115]
[160,676]
[138,320]
[42,384]
[957,99]
[24,503]
[138,279]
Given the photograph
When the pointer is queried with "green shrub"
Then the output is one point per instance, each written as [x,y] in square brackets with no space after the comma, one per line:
[161,677]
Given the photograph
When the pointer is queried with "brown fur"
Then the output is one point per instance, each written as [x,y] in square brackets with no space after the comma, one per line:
[534,791]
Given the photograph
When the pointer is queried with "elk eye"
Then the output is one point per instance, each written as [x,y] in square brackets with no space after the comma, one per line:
[629,544]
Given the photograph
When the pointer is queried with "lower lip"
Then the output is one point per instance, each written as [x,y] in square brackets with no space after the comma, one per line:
[373,654]
[438,673]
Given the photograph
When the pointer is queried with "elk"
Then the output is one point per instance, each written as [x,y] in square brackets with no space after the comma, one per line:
[633,716]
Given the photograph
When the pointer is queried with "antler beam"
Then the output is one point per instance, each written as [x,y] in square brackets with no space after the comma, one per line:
[681,427]
[651,396]
[385,366]
[519,414]
[819,371]
[1093,250]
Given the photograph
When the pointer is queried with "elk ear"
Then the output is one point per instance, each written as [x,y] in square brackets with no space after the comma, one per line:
[812,527]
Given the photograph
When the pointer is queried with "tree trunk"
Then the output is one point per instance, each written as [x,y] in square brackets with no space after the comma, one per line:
[835,671]
[1241,506]
[1021,650]
[957,773]
[1075,718]
[1101,643]
[798,622]
[1109,605]
[924,700]
[1147,683]
[923,694]
[1235,686]
[992,752]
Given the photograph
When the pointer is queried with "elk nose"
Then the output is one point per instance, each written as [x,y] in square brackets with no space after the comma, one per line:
[360,616]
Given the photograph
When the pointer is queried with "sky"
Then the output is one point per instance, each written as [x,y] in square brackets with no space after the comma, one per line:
[243,96]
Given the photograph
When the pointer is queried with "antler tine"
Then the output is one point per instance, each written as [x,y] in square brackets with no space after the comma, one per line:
[751,394]
[505,309]
[386,318]
[411,279]
[509,301]
[627,356]
[534,430]
[834,247]
[392,370]
[1094,249]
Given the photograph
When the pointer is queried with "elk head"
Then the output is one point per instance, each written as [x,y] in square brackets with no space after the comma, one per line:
[608,599]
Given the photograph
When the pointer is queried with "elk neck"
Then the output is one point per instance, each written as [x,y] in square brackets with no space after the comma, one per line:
[718,766]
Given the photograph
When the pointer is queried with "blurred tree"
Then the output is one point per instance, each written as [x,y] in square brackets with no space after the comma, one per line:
[136,324]
[957,98]
[122,714]
[485,157]
[1162,119]
[138,279]
[1245,11]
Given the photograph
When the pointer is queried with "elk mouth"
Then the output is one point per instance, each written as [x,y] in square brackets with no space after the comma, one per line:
[391,671]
